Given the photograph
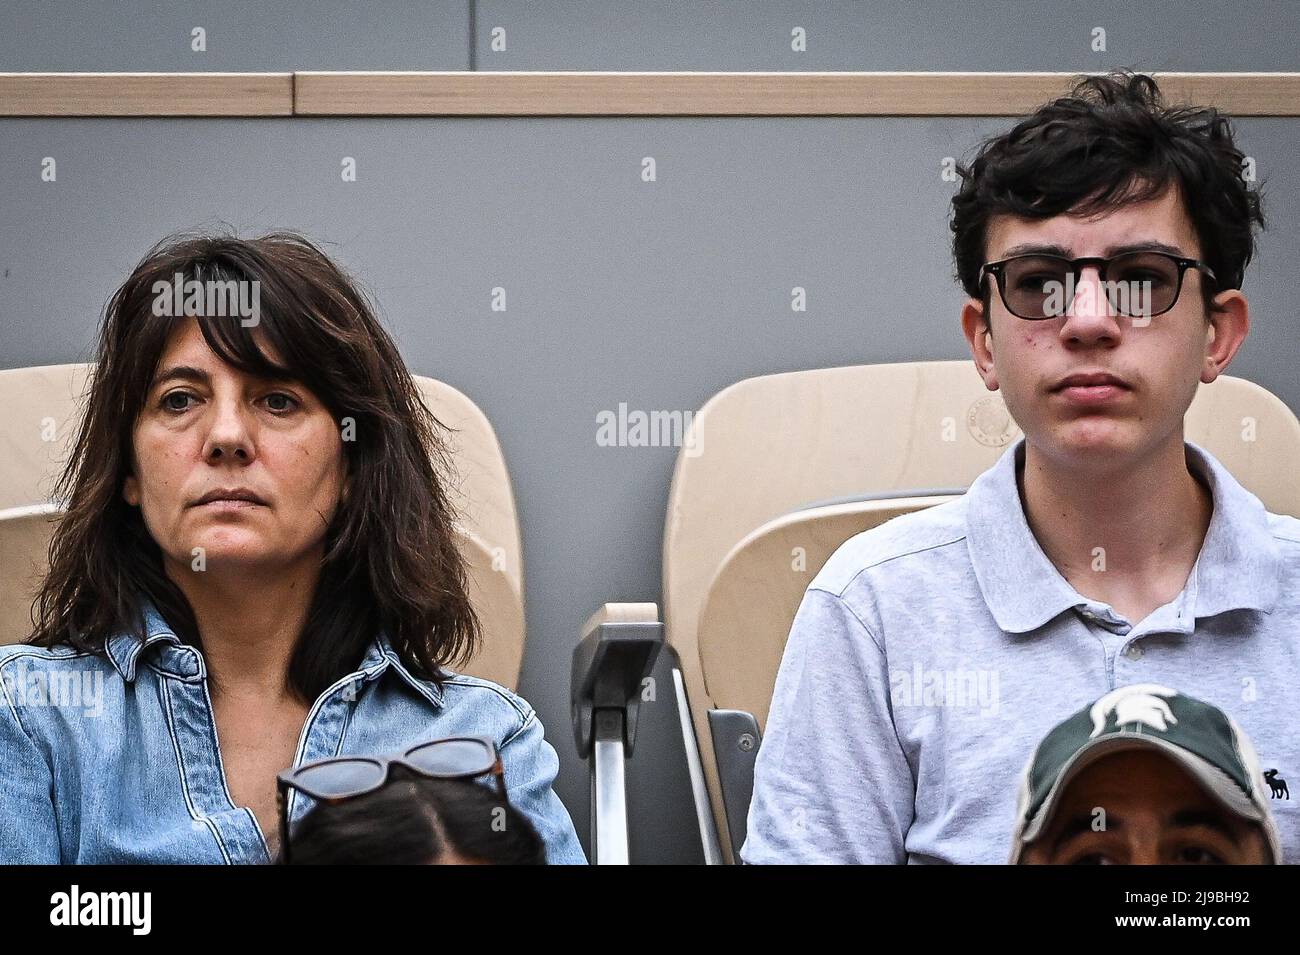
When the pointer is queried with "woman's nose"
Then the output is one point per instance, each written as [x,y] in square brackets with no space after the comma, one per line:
[229,436]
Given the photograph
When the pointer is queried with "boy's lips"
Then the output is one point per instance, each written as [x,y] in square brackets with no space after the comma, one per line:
[1091,388]
[1090,379]
[1091,394]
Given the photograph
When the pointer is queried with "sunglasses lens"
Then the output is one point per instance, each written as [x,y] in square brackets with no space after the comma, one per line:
[1037,286]
[1142,283]
[453,757]
[1137,284]
[341,777]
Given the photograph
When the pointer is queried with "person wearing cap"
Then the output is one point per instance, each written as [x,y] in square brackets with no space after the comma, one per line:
[1145,775]
[932,653]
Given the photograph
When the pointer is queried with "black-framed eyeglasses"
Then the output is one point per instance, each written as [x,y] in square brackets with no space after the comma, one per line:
[1136,284]
[339,778]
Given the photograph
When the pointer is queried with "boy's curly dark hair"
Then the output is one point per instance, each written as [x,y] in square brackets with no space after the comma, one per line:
[1111,141]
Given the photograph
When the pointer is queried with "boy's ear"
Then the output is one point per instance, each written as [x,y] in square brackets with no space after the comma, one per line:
[1229,323]
[979,336]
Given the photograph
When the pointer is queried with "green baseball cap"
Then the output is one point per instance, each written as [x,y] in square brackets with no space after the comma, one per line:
[1199,737]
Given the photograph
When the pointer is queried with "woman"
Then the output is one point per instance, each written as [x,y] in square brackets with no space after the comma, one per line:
[257,567]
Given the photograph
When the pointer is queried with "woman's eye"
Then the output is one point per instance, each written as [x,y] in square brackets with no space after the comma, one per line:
[1197,855]
[169,403]
[280,403]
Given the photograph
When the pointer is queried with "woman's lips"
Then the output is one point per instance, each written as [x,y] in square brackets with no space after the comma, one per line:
[229,504]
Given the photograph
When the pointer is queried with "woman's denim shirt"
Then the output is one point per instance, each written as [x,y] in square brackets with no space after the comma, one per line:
[113,758]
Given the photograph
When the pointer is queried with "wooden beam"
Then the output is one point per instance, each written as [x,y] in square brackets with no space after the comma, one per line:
[524,93]
[146,94]
[750,94]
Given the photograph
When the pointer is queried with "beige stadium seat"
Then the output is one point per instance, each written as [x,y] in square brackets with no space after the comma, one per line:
[24,542]
[784,468]
[41,417]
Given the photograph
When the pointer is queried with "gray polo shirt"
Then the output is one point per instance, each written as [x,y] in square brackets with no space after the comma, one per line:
[931,654]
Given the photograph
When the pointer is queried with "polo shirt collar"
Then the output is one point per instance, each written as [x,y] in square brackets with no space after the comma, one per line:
[1237,567]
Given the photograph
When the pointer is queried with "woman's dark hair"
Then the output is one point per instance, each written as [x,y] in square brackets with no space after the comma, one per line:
[1110,142]
[414,820]
[391,557]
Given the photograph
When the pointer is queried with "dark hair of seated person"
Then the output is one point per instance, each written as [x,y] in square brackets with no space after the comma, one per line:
[417,821]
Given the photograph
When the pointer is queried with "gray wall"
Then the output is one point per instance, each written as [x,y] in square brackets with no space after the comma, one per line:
[654,294]
[119,35]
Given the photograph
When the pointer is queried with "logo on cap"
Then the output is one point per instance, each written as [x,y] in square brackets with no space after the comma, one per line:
[1140,703]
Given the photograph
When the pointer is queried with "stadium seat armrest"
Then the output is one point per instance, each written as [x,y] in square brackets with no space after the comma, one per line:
[617,651]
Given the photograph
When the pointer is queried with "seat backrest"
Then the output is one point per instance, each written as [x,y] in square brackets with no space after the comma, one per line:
[767,446]
[489,527]
[24,546]
[43,411]
[749,608]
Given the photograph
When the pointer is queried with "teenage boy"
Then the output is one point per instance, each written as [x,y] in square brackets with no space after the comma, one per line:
[1100,550]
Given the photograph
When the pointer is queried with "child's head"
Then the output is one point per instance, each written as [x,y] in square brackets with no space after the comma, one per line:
[414,820]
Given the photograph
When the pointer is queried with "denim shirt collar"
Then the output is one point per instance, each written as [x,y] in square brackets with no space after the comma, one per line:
[167,653]
[1237,567]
